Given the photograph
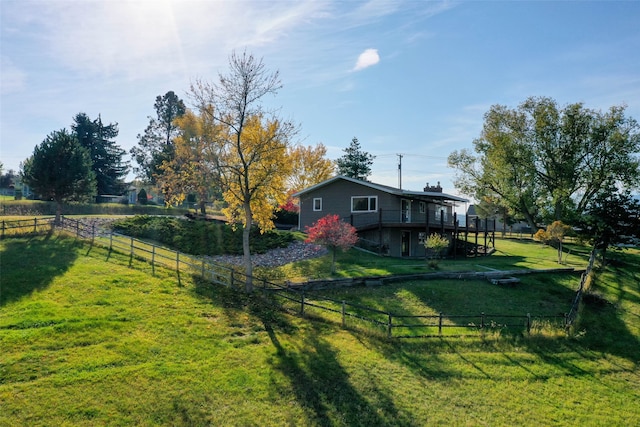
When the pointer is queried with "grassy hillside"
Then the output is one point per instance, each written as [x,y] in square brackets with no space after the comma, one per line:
[86,340]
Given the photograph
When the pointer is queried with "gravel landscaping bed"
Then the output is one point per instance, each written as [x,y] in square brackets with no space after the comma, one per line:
[296,251]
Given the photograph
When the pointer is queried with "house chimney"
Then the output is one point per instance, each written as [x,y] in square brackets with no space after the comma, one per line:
[433,189]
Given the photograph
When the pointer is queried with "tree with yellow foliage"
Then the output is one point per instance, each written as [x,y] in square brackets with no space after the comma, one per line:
[251,149]
[193,167]
[554,234]
[310,166]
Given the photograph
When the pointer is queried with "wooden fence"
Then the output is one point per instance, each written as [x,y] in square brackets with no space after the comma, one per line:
[584,281]
[25,227]
[296,300]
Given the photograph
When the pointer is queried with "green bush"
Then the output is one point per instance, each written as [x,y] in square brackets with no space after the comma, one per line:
[199,237]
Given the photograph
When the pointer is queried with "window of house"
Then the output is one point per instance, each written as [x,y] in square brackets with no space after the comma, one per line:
[422,207]
[422,237]
[317,204]
[364,203]
[441,211]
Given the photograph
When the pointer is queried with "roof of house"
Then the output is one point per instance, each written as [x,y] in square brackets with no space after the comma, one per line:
[472,211]
[384,188]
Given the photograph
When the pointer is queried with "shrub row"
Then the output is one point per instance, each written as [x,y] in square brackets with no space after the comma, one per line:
[199,237]
[38,208]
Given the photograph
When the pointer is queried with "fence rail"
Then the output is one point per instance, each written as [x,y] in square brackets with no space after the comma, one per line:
[295,300]
[23,227]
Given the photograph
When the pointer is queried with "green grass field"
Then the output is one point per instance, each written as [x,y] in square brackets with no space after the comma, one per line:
[511,254]
[87,340]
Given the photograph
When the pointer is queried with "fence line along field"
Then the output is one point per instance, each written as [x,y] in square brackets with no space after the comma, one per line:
[403,324]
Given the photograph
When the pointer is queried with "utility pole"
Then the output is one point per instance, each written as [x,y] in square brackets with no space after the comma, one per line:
[400,171]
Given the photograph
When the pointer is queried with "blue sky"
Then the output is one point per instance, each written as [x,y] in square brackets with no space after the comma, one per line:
[404,77]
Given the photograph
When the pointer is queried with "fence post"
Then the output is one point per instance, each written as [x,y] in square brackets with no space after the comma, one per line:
[231,279]
[389,326]
[344,320]
[131,249]
[178,261]
[440,324]
[528,323]
[3,228]
[153,260]
[302,303]
[482,320]
[77,229]
[202,272]
[35,225]
[93,232]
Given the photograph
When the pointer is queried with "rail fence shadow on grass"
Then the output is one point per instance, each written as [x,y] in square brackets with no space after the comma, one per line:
[295,300]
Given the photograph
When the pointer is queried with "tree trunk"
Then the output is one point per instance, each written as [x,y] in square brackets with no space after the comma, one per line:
[58,212]
[246,250]
[528,217]
[560,252]
[333,260]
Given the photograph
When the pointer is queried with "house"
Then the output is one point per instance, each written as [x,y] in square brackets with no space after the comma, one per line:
[389,220]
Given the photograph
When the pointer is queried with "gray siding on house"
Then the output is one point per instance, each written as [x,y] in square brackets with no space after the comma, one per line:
[395,227]
[336,199]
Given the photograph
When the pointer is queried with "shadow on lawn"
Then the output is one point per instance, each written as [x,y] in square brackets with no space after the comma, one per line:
[320,383]
[31,265]
[324,388]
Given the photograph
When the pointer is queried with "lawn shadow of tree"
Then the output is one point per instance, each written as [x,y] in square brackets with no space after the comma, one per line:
[30,265]
[322,386]
[317,379]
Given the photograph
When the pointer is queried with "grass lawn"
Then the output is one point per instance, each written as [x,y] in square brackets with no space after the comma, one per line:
[510,254]
[87,340]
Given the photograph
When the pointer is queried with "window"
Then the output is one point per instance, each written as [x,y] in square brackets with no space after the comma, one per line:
[422,207]
[441,211]
[364,203]
[317,204]
[422,237]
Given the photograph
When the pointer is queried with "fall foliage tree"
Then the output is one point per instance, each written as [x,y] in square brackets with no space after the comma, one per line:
[333,233]
[309,166]
[554,234]
[60,169]
[251,148]
[192,168]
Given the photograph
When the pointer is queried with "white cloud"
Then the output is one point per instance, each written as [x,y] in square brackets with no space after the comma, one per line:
[366,59]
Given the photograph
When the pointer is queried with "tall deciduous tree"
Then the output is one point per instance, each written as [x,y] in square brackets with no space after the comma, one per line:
[309,166]
[192,170]
[546,163]
[251,149]
[60,169]
[355,163]
[333,233]
[155,145]
[106,156]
